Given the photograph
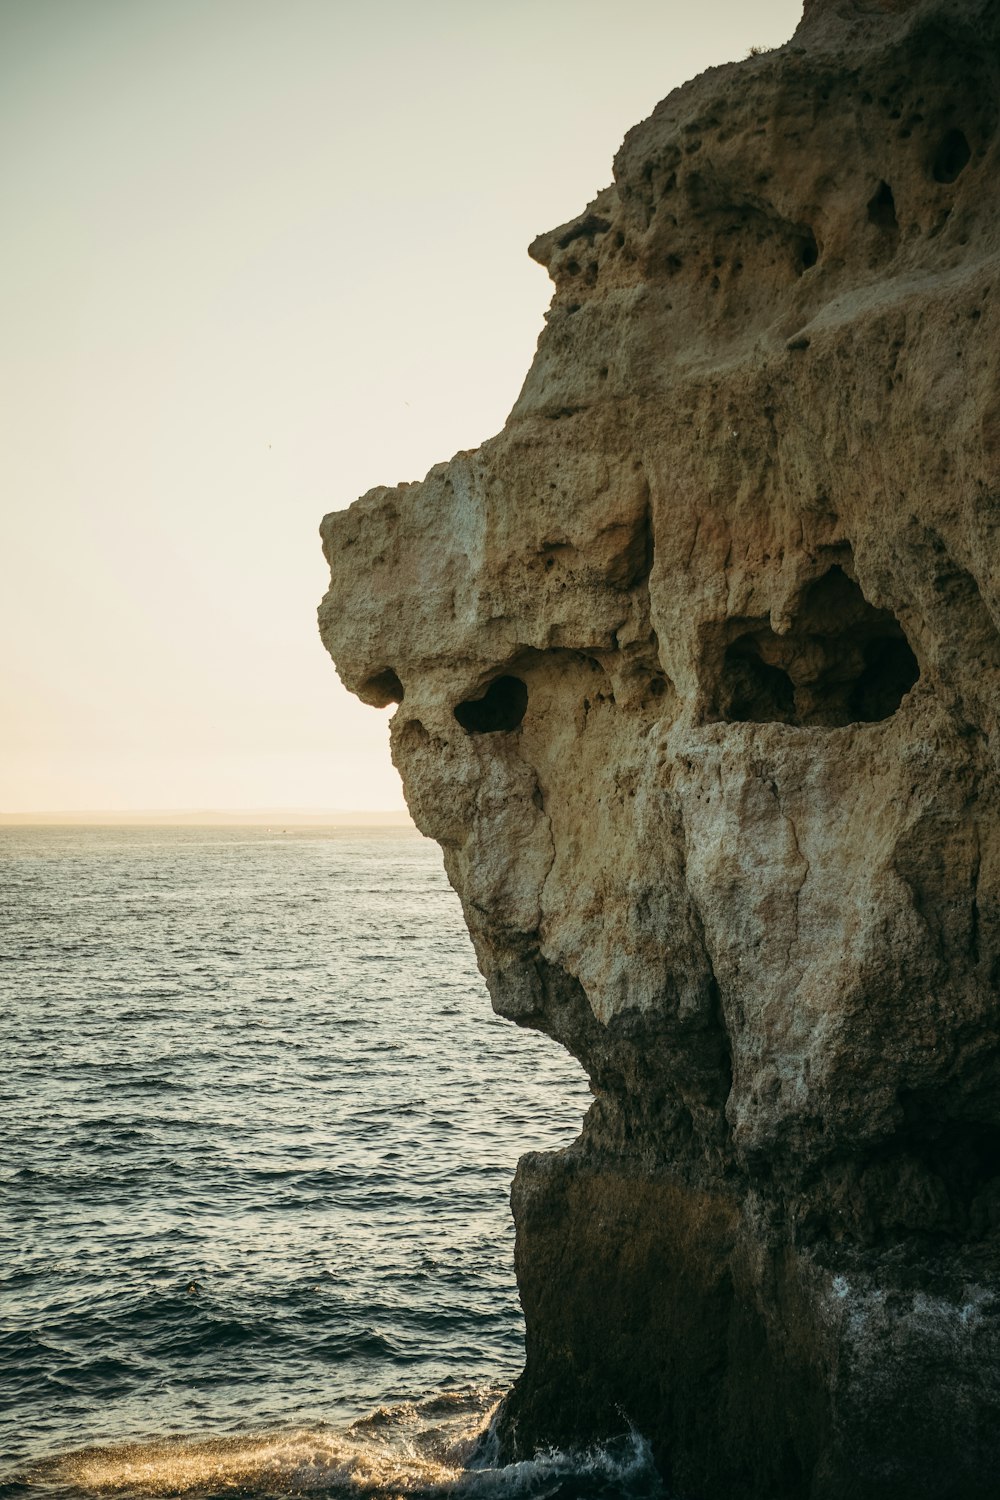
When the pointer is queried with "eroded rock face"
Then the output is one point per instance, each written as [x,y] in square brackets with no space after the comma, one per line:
[698,664]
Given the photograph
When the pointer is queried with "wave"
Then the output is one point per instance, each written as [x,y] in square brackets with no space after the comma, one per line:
[439,1447]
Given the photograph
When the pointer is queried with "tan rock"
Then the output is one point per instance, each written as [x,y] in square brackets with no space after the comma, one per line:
[699,665]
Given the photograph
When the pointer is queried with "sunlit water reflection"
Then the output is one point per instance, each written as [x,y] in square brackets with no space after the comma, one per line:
[258,1129]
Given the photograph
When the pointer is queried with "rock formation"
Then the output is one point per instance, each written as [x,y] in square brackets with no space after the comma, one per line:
[701,659]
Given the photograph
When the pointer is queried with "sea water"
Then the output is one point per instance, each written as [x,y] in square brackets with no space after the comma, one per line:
[257,1129]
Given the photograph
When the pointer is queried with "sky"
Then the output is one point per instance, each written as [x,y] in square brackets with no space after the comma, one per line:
[259,256]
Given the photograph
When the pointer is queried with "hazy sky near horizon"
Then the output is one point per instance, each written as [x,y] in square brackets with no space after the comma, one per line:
[261,255]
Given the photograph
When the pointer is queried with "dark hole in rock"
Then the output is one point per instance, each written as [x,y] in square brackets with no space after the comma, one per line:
[951,157]
[758,693]
[842,662]
[384,688]
[500,709]
[808,251]
[890,671]
[882,208]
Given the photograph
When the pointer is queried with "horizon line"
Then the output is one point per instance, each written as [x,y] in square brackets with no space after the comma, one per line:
[207,816]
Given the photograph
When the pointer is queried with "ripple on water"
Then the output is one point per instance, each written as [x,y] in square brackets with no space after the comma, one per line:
[259,1126]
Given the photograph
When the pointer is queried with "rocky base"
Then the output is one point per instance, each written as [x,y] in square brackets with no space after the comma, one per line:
[753,1368]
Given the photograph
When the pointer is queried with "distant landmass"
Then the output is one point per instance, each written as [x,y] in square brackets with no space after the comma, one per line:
[201,817]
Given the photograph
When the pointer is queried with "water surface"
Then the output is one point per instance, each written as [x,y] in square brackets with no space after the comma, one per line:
[258,1124]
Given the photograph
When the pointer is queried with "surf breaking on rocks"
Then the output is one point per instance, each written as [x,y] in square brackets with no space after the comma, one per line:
[442,1446]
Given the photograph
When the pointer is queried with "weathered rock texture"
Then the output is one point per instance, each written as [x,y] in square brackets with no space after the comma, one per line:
[701,659]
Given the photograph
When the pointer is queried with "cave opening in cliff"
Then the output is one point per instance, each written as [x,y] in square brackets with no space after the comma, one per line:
[758,693]
[500,709]
[882,209]
[841,662]
[384,688]
[951,157]
[808,252]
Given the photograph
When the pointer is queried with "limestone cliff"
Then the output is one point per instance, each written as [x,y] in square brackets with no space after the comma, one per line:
[697,665]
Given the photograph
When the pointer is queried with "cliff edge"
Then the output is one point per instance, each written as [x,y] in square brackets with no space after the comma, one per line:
[697,665]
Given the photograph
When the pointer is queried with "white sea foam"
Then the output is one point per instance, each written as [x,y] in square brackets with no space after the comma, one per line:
[434,1448]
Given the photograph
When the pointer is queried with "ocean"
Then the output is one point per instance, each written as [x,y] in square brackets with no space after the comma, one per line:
[257,1130]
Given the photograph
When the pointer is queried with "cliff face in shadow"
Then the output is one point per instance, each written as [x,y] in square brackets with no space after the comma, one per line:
[698,664]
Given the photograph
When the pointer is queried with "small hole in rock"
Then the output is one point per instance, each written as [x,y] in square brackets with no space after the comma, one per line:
[499,710]
[951,157]
[382,689]
[808,252]
[882,208]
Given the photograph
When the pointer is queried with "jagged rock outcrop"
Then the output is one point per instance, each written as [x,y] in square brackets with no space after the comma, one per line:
[698,666]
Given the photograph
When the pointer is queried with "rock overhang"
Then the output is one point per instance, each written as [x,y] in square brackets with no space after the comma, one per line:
[699,657]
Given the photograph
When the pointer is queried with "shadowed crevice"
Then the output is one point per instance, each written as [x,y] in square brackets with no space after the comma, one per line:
[842,662]
[499,710]
[382,689]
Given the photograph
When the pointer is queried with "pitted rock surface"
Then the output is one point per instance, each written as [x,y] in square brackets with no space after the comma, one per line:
[697,665]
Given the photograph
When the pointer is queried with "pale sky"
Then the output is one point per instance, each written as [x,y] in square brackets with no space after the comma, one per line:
[260,255]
